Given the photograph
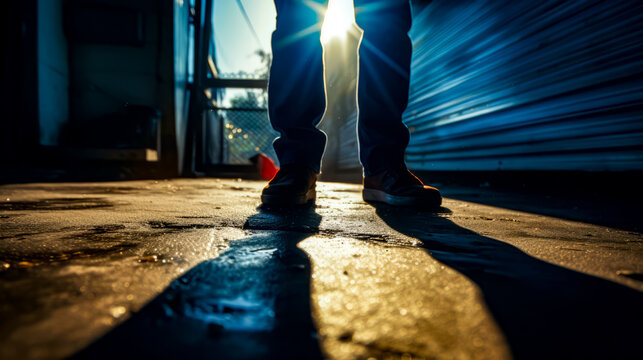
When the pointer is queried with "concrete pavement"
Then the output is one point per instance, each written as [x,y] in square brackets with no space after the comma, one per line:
[195,268]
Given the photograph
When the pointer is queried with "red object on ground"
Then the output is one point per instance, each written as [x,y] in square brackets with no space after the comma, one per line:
[267,167]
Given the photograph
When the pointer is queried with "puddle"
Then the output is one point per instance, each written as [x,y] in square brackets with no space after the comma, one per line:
[21,260]
[285,226]
[82,189]
[56,204]
[371,237]
[233,314]
[175,226]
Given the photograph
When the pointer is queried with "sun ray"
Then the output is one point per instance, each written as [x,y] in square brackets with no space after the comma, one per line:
[298,35]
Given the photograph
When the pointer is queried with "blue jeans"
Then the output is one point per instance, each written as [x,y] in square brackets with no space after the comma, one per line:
[296,100]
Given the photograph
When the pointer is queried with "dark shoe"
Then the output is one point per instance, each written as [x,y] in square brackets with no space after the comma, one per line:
[399,187]
[293,185]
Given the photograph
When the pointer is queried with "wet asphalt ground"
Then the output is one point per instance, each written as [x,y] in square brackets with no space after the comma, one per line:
[195,268]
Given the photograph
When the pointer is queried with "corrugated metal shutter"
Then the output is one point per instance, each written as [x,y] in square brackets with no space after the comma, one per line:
[527,85]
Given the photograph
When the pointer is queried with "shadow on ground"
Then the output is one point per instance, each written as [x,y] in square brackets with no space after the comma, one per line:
[618,212]
[252,302]
[602,198]
[545,311]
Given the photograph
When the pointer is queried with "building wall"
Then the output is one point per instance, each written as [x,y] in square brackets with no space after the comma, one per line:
[53,72]
[19,128]
[506,85]
[181,61]
[518,85]
[65,71]
[110,69]
[106,76]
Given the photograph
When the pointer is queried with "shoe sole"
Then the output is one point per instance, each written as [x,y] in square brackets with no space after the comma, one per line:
[280,200]
[372,195]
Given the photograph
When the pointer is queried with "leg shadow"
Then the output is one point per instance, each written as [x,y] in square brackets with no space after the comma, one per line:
[545,311]
[252,302]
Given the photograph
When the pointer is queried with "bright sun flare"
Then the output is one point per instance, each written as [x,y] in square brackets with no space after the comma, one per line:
[339,18]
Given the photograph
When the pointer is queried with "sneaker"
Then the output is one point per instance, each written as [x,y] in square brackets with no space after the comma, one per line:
[399,187]
[293,185]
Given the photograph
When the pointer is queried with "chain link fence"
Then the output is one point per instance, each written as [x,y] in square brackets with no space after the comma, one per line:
[245,133]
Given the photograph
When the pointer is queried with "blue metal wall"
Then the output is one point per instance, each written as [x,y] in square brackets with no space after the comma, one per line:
[527,85]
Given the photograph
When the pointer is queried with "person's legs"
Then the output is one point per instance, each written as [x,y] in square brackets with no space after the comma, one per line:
[383,88]
[296,100]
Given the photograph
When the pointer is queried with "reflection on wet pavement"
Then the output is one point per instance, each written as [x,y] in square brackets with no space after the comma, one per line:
[382,301]
[194,269]
[253,301]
